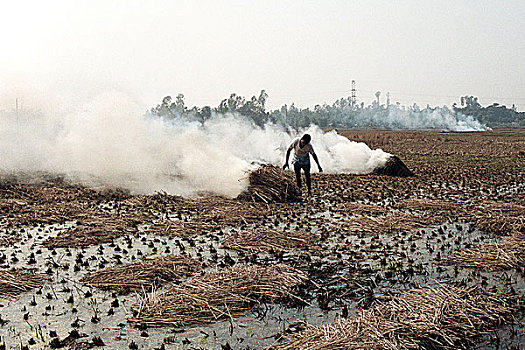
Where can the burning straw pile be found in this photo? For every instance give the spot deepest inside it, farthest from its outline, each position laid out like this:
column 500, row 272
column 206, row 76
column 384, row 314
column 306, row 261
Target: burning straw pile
column 143, row 274
column 267, row 240
column 269, row 184
column 441, row 318
column 388, row 223
column 14, row 282
column 217, row 296
column 394, row 167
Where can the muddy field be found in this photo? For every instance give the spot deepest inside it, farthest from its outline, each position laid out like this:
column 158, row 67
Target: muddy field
column 433, row 261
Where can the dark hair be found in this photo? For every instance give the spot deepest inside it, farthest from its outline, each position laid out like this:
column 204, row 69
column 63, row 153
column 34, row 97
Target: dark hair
column 306, row 138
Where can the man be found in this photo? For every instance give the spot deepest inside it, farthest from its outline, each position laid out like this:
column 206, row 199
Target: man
column 301, row 160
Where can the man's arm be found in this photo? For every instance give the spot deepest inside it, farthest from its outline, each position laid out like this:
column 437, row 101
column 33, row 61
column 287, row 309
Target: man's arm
column 314, row 156
column 287, row 157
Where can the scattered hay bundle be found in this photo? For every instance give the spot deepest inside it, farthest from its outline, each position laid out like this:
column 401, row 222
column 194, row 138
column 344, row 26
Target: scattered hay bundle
column 393, row 167
column 97, row 229
column 355, row 208
column 180, row 228
column 440, row 318
column 269, row 184
column 266, row 240
column 8, row 238
column 499, row 218
column 143, row 274
column 427, row 204
column 389, row 223
column 14, row 282
column 19, row 214
column 217, row 296
column 492, row 256
column 226, row 211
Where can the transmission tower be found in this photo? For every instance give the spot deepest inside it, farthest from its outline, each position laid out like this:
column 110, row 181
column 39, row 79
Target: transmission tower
column 353, row 99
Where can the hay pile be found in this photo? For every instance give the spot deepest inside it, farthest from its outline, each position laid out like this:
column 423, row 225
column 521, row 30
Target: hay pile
column 143, row 274
column 392, row 222
column 355, row 208
column 179, row 228
column 224, row 211
column 441, row 318
column 267, row 240
column 393, row 167
column 499, row 218
column 96, row 228
column 9, row 237
column 509, row 254
column 426, row 204
column 13, row 282
column 269, row 184
column 217, row 296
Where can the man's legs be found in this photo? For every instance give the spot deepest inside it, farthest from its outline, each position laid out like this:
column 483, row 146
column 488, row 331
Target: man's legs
column 297, row 169
column 308, row 180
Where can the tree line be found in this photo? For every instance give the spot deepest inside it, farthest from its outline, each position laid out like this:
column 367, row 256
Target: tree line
column 343, row 113
column 494, row 115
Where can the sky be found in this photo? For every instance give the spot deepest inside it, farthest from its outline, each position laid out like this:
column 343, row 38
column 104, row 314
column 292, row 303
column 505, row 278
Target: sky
column 301, row 52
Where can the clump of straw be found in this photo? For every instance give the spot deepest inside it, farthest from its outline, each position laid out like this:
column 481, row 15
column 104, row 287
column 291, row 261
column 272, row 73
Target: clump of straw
column 508, row 254
column 218, row 295
column 266, row 240
column 14, row 282
column 143, row 274
column 440, row 318
column 269, row 184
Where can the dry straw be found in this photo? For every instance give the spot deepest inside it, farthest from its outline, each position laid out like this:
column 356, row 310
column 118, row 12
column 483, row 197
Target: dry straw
column 269, row 184
column 499, row 218
column 95, row 229
column 392, row 222
column 15, row 282
column 443, row 318
column 218, row 295
column 508, row 254
column 266, row 240
column 143, row 274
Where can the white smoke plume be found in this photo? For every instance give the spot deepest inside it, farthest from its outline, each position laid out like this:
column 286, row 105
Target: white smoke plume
column 414, row 118
column 109, row 141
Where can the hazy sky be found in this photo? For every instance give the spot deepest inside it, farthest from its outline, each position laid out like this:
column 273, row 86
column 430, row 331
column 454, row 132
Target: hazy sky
column 305, row 52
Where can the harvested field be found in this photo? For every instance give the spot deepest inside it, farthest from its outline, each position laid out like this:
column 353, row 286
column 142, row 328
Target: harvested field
column 266, row 240
column 254, row 271
column 143, row 275
column 269, row 184
column 13, row 282
column 442, row 318
column 218, row 295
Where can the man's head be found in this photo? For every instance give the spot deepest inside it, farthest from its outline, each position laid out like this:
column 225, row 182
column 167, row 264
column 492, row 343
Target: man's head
column 305, row 139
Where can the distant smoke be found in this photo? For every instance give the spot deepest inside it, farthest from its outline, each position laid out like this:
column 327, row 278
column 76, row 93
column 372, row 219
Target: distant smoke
column 399, row 117
column 110, row 142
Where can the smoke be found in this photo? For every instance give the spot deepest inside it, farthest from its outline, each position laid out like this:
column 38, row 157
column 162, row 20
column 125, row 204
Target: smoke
column 109, row 141
column 400, row 117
